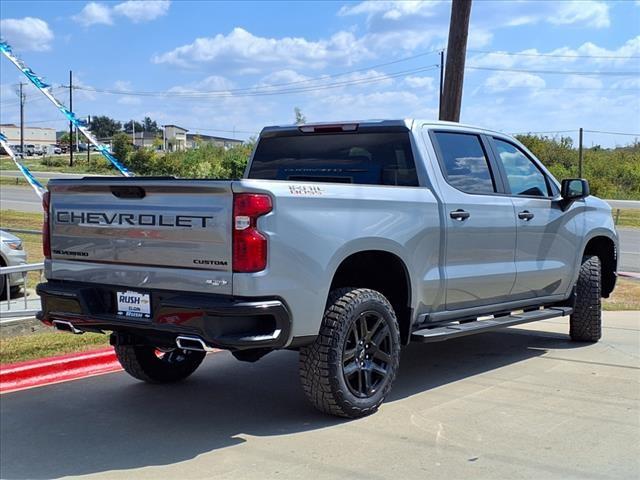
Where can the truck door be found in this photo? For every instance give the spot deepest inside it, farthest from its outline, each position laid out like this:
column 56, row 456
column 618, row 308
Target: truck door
column 480, row 226
column 547, row 235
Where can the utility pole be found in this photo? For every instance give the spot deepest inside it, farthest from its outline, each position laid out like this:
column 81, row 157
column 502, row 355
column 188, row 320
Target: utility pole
column 88, row 149
column 22, row 97
column 456, row 53
column 441, row 84
column 133, row 133
column 580, row 154
column 70, row 124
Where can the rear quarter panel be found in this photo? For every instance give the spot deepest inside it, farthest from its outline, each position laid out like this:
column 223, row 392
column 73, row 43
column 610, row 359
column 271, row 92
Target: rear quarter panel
column 313, row 227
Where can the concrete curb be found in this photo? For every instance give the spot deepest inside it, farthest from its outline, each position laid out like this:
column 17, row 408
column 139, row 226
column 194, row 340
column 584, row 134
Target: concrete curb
column 46, row 371
column 629, row 275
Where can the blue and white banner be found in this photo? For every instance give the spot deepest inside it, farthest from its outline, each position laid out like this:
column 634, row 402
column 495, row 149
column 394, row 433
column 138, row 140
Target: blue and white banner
column 77, row 122
column 37, row 186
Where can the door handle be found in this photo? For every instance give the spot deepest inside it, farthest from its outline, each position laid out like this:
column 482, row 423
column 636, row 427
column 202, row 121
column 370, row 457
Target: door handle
column 459, row 215
column 525, row 215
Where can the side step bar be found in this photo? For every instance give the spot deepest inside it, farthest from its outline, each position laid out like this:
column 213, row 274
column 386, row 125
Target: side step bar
column 439, row 334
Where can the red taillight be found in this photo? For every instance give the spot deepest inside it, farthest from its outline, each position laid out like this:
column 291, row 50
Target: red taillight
column 249, row 245
column 46, row 233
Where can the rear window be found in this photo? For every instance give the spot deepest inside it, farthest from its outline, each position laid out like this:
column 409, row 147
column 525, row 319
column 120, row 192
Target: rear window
column 360, row 158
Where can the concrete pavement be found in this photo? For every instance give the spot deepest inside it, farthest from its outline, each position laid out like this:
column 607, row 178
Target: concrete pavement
column 521, row 403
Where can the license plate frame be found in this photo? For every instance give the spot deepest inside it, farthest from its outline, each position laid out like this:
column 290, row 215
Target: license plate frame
column 133, row 305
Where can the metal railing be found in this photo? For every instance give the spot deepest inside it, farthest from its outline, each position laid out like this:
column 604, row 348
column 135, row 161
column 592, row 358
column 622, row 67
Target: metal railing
column 11, row 308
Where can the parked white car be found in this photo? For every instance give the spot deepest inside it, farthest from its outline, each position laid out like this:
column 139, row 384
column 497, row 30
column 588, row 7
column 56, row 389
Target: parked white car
column 11, row 254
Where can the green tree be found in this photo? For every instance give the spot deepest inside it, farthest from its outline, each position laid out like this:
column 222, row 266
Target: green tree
column 300, row 118
column 127, row 127
column 103, row 126
column 64, row 139
column 121, row 146
column 150, row 125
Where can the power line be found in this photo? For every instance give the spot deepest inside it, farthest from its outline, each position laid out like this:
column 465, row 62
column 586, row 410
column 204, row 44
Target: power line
column 196, row 129
column 614, row 133
column 249, row 89
column 534, row 87
column 554, row 55
column 263, row 91
column 576, row 131
column 549, row 131
column 553, row 72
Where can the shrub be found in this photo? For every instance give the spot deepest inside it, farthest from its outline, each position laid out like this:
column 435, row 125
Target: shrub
column 53, row 162
column 121, row 146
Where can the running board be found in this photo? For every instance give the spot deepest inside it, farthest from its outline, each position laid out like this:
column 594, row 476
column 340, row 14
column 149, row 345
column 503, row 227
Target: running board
column 439, row 334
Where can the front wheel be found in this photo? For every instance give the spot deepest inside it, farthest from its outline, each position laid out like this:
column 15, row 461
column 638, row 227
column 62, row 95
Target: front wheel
column 154, row 365
column 585, row 323
column 350, row 367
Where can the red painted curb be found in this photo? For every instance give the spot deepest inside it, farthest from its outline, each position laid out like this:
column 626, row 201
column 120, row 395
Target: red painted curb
column 36, row 373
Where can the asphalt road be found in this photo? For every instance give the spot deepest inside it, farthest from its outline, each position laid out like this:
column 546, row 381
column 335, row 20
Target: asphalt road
column 521, row 403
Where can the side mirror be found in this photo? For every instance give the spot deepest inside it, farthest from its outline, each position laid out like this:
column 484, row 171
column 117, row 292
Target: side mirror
column 574, row 189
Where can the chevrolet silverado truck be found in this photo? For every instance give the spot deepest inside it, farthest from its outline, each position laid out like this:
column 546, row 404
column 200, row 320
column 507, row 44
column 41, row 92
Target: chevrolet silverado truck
column 342, row 241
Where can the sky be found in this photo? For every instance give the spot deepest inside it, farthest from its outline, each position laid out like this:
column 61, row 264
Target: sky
column 230, row 68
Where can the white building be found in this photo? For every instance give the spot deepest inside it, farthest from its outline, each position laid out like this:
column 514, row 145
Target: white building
column 32, row 135
column 175, row 138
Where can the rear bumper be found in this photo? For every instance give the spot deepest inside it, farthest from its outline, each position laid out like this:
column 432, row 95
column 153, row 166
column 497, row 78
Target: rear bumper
column 232, row 323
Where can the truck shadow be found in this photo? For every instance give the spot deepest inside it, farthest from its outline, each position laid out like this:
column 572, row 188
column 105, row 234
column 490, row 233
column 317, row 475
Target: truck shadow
column 111, row 422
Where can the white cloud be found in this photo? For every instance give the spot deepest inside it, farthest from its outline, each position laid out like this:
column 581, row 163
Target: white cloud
column 505, row 80
column 137, row 11
column 391, row 10
column 142, row 10
column 579, row 81
column 94, row 14
column 587, row 56
column 242, row 48
column 592, row 14
column 212, row 83
column 420, row 82
column 27, row 33
column 479, row 38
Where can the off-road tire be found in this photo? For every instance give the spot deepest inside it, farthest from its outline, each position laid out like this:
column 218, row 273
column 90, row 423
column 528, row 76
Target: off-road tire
column 585, row 323
column 321, row 363
column 142, row 362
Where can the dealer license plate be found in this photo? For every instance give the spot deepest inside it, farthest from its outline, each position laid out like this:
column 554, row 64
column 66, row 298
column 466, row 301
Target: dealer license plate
column 134, row 304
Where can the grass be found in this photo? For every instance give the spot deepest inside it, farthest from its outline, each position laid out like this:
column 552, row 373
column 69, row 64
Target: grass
column 60, row 163
column 626, row 296
column 627, row 217
column 46, row 344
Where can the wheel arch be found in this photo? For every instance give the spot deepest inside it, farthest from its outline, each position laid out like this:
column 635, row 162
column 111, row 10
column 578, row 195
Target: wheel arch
column 383, row 271
column 605, row 248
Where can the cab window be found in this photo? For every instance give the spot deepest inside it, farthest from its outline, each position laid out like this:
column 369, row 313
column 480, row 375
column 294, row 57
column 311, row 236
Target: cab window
column 523, row 176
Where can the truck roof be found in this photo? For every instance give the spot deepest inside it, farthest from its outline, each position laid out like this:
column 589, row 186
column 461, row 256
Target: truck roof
column 371, row 123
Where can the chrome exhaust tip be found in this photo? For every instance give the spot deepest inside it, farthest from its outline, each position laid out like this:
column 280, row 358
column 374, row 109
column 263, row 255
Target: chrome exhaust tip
column 66, row 327
column 185, row 342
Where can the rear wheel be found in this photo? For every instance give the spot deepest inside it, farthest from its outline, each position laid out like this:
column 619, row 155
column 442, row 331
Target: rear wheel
column 585, row 324
column 154, row 365
column 351, row 366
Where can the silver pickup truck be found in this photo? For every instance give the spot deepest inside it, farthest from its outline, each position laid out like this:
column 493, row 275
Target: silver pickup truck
column 344, row 241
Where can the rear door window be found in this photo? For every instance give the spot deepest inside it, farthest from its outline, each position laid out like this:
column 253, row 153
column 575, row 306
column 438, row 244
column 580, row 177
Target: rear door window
column 464, row 162
column 361, row 158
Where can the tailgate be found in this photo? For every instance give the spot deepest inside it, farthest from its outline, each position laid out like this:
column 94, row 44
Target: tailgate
column 158, row 223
